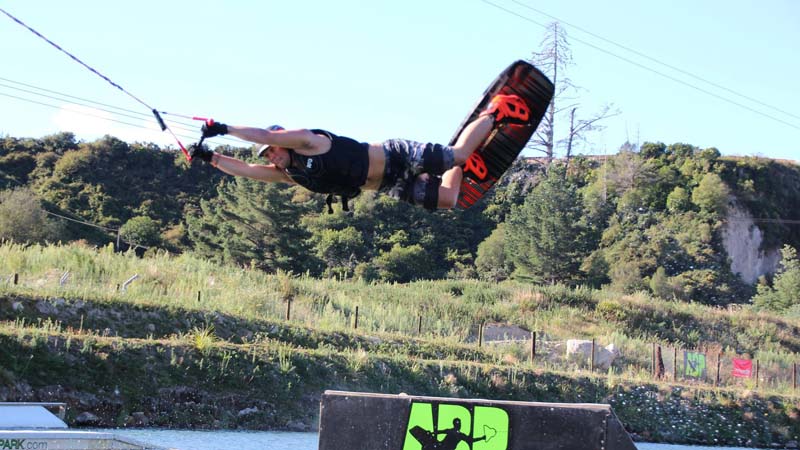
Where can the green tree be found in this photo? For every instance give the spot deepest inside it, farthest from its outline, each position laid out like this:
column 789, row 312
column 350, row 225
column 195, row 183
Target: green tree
column 15, row 168
column 678, row 200
column 711, row 195
column 449, row 238
column 22, row 218
column 253, row 224
column 491, row 261
column 665, row 287
column 340, row 250
column 141, row 231
column 547, row 238
column 403, row 264
column 785, row 290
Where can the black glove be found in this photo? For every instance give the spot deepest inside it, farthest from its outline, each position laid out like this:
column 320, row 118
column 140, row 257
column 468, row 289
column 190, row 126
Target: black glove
column 200, row 152
column 211, row 129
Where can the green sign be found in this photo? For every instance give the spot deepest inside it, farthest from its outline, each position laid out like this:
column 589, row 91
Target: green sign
column 12, row 444
column 694, row 365
column 442, row 426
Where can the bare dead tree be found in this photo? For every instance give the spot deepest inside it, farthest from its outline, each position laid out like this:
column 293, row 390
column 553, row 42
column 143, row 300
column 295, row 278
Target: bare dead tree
column 580, row 128
column 553, row 60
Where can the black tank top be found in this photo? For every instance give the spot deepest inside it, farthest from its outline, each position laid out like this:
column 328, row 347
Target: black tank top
column 342, row 170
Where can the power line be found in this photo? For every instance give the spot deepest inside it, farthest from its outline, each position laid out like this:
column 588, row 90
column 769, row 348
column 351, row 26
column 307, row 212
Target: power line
column 188, row 127
column 644, row 55
column 155, row 112
column 85, row 113
column 71, row 96
column 74, row 58
column 138, row 114
column 78, row 112
column 764, row 220
column 649, row 69
column 82, row 221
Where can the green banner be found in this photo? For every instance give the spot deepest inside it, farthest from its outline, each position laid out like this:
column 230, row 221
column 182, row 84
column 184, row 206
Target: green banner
column 694, row 365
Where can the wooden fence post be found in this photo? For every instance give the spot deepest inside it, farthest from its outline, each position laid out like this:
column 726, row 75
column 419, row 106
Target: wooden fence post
column 533, row 346
column 591, row 364
column 198, row 296
column 16, row 279
column 794, row 376
column 719, row 359
column 653, row 360
column 419, row 326
column 480, row 335
column 288, row 309
column 355, row 325
column 674, row 363
column 757, row 373
column 659, row 363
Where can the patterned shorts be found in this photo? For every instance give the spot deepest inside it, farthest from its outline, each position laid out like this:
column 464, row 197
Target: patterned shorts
column 411, row 166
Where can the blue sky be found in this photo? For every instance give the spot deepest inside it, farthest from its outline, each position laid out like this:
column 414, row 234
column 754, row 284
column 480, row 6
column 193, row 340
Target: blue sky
column 375, row 70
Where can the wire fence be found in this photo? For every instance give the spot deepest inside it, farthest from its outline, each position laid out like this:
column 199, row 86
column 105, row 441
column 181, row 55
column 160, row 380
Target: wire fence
column 707, row 365
column 702, row 366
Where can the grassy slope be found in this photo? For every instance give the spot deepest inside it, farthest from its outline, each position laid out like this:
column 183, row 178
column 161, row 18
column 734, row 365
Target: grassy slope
column 232, row 360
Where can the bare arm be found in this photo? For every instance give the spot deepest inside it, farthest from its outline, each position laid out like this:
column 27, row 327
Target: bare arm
column 302, row 141
column 261, row 172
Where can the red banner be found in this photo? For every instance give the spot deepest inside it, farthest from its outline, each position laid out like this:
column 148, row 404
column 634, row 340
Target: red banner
column 742, row 368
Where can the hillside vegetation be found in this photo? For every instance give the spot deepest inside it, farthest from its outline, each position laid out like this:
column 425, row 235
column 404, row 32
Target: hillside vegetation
column 646, row 220
column 159, row 354
column 177, row 296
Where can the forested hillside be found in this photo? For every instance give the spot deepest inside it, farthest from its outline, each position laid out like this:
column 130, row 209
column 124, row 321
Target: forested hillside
column 650, row 219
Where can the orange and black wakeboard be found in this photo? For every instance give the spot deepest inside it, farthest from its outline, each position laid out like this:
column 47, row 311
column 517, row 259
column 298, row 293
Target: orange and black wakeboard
column 489, row 162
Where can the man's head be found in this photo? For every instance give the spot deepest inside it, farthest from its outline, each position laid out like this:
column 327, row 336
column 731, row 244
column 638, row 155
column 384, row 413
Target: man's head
column 276, row 155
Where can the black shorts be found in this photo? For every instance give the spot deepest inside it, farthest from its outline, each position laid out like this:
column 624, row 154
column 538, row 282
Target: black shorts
column 411, row 167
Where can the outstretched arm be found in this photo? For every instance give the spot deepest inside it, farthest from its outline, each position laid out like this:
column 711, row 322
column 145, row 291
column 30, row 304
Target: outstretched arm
column 232, row 166
column 302, row 141
column 261, row 172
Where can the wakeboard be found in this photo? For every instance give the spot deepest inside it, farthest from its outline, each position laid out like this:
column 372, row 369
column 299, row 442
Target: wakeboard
column 490, row 161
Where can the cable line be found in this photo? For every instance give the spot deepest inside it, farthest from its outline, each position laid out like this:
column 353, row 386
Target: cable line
column 161, row 122
column 74, row 58
column 85, row 113
column 70, row 96
column 189, row 127
column 80, row 112
column 644, row 55
column 649, row 69
column 82, row 221
column 138, row 115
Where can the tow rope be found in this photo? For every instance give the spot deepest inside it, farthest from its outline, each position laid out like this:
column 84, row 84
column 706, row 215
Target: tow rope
column 155, row 112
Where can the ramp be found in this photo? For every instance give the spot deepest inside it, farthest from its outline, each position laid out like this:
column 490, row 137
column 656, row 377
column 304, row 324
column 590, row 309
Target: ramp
column 363, row 421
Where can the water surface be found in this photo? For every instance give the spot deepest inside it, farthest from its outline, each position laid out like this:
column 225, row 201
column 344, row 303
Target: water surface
column 277, row 440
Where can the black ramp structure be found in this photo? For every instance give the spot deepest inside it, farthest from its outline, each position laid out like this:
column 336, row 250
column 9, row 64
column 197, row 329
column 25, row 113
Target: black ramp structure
column 364, row 421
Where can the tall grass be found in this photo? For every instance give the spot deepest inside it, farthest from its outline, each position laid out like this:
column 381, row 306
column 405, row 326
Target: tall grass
column 449, row 310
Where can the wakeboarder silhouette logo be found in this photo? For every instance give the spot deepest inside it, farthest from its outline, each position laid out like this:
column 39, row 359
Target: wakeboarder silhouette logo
column 442, row 426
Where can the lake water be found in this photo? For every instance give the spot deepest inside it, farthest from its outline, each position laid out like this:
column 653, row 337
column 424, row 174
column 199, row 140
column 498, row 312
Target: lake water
column 274, row 440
